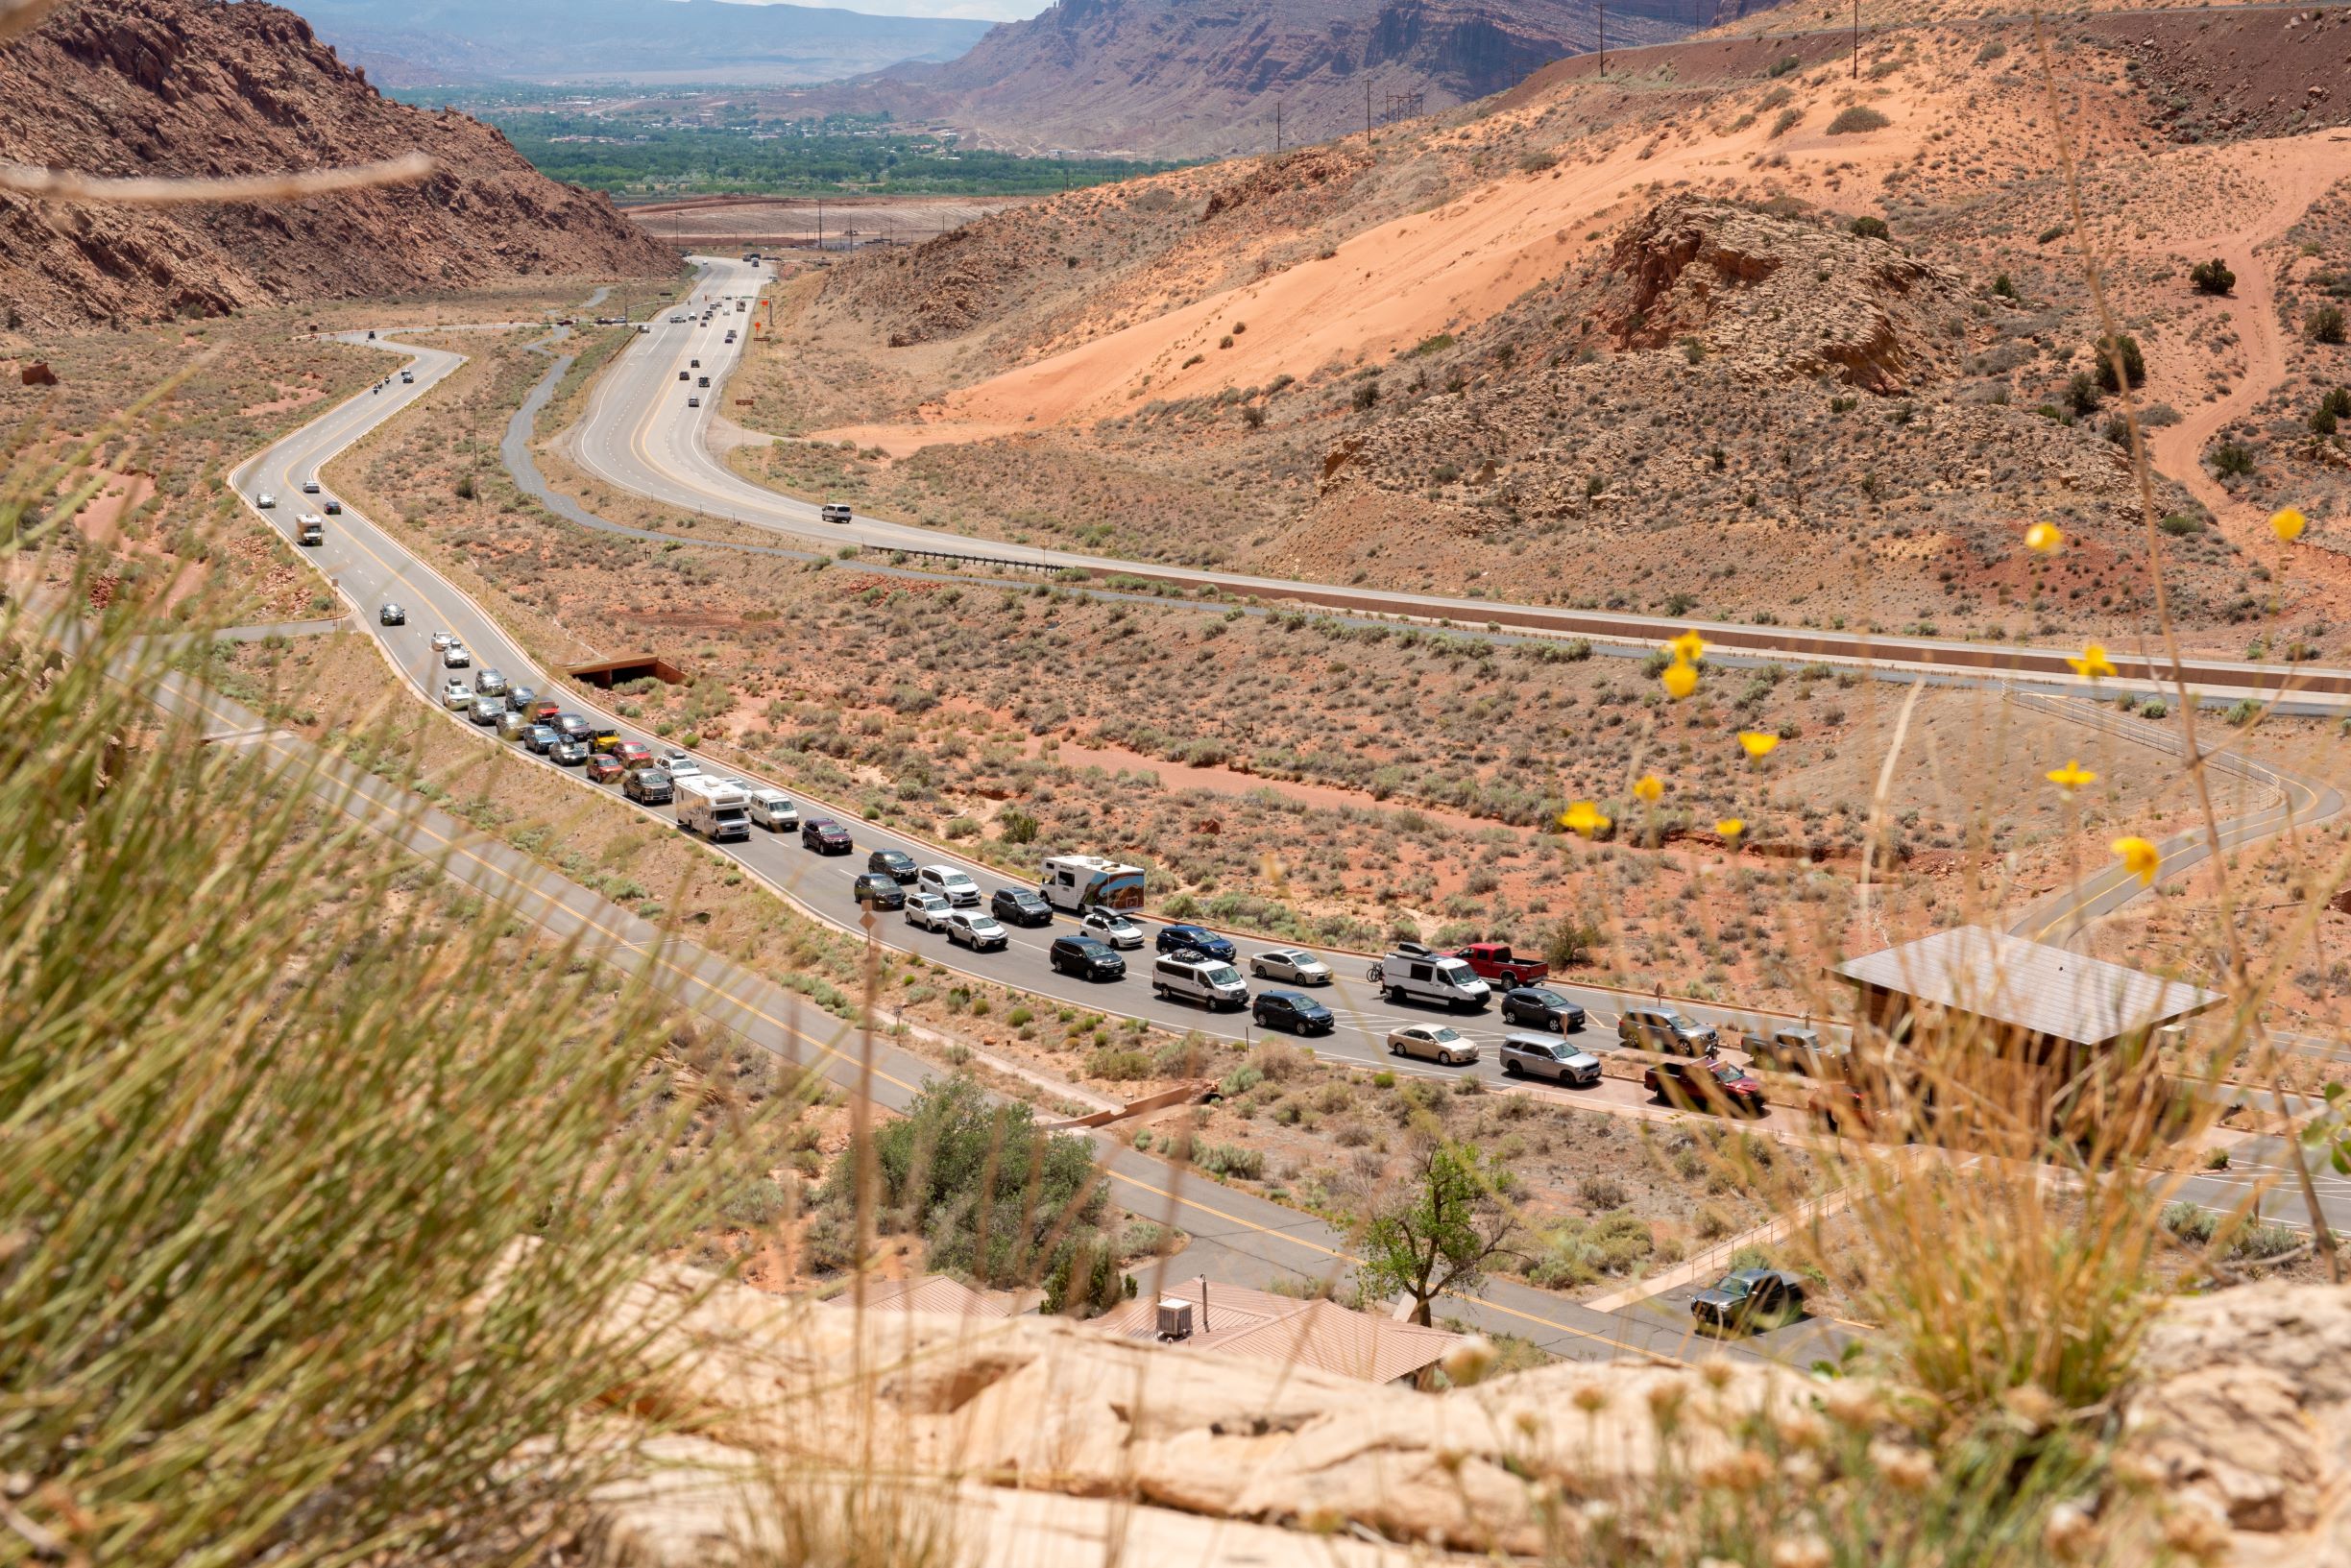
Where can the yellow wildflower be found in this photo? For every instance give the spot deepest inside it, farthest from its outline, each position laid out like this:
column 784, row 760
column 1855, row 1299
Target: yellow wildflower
column 2093, row 664
column 2071, row 777
column 1680, row 679
column 1730, row 828
column 1649, row 787
column 2287, row 524
column 1585, row 818
column 1758, row 742
column 2043, row 537
column 1688, row 649
column 2140, row 858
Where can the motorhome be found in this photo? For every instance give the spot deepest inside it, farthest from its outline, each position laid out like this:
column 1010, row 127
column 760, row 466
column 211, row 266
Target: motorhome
column 718, row 809
column 1082, row 881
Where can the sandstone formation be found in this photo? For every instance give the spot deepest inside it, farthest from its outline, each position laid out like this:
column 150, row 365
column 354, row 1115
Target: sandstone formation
column 119, row 88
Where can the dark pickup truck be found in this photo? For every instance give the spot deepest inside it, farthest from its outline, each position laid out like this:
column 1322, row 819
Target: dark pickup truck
column 1495, row 961
column 1748, row 1301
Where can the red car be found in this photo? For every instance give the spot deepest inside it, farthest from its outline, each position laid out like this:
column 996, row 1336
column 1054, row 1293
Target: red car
column 632, row 753
column 1705, row 1083
column 1507, row 969
column 603, row 767
column 543, row 710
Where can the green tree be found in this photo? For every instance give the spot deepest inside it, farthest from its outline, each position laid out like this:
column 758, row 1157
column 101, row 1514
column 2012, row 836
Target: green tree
column 2212, row 276
column 1439, row 1229
column 1570, row 943
column 2134, row 364
column 993, row 1195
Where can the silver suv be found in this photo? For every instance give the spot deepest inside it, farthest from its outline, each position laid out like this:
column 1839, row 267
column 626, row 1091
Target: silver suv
column 1653, row 1026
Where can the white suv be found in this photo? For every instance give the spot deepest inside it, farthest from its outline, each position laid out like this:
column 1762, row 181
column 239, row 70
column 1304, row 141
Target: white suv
column 954, row 885
column 928, row 910
column 1111, row 926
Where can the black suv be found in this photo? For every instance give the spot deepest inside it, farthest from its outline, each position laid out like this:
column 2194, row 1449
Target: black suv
column 1544, row 1008
column 646, row 785
column 879, row 890
column 895, row 864
column 1018, row 906
column 1086, row 958
column 1291, row 1011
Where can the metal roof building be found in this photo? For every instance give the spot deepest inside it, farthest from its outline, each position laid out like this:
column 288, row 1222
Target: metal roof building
column 1231, row 1321
column 2048, row 1001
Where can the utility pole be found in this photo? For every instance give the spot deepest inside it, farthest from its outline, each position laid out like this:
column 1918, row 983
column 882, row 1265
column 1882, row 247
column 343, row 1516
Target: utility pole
column 1367, row 109
column 1604, row 36
column 820, row 226
column 1857, row 41
column 1277, row 142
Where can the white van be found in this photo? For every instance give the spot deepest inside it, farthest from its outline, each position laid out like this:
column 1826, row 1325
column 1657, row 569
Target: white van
column 715, row 809
column 1212, row 982
column 774, row 811
column 835, row 512
column 1414, row 973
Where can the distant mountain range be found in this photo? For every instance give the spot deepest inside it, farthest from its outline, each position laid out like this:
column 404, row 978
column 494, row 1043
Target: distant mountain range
column 1201, row 77
column 431, row 43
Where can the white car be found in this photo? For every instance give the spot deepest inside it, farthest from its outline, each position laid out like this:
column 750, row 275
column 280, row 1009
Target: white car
column 928, row 910
column 441, row 640
column 976, row 931
column 456, row 695
column 455, row 657
column 310, row 487
column 1291, row 964
column 957, row 888
column 678, row 765
column 1434, row 1042
column 265, row 500
column 1108, row 925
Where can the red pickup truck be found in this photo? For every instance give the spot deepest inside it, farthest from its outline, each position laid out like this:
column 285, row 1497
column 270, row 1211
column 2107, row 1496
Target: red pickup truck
column 1495, row 961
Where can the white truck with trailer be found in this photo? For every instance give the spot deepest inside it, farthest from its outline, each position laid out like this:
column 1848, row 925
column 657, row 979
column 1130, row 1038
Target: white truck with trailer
column 717, row 809
column 1077, row 882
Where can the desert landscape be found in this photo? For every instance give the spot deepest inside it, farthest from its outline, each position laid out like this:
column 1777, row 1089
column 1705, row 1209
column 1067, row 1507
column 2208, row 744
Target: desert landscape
column 1600, row 821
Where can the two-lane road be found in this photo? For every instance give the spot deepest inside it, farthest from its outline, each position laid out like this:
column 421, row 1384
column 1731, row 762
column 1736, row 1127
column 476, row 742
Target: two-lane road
column 1236, row 1236
column 640, row 434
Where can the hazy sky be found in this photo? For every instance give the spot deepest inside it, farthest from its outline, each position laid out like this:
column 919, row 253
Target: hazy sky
column 987, row 11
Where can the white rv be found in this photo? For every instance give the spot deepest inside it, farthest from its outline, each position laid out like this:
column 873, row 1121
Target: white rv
column 1082, row 881
column 718, row 809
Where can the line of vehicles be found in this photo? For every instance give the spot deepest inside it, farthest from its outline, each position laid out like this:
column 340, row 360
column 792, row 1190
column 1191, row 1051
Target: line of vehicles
column 1190, row 963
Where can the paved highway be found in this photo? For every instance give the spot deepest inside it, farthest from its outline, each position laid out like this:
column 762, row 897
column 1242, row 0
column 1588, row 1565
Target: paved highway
column 369, row 567
column 1236, row 1238
column 1240, row 1237
column 640, row 434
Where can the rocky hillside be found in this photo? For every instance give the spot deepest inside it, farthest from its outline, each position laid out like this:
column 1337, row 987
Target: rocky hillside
column 1201, row 77
column 180, row 88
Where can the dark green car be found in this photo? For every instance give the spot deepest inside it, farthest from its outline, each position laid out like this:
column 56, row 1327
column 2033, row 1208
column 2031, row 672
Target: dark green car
column 1749, row 1301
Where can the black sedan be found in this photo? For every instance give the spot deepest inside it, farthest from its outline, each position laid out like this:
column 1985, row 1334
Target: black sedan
column 1019, row 906
column 896, row 864
column 1292, row 1011
column 1542, row 1007
column 825, row 836
column 392, row 614
column 878, row 890
column 1086, row 958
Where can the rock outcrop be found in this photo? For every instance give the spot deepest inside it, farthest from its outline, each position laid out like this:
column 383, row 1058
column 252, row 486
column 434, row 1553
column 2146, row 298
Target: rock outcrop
column 175, row 87
column 2244, row 1406
column 1781, row 298
column 1045, row 1440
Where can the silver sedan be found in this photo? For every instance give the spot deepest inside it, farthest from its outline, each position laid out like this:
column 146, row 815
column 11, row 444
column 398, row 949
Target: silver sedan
column 1433, row 1042
column 1293, row 964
